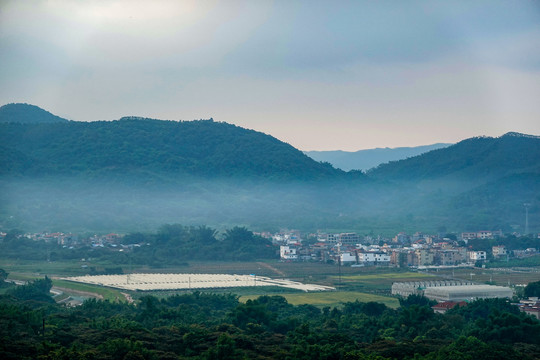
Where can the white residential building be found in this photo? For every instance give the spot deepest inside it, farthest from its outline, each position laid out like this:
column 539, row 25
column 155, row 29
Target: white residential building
column 499, row 251
column 288, row 252
column 484, row 235
column 476, row 255
column 343, row 238
column 348, row 257
column 373, row 257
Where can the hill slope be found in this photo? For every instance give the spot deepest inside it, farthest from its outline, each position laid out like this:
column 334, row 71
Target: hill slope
column 27, row 114
column 370, row 158
column 147, row 147
column 481, row 158
column 478, row 183
column 137, row 174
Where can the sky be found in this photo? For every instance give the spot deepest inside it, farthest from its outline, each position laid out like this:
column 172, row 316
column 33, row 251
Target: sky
column 319, row 75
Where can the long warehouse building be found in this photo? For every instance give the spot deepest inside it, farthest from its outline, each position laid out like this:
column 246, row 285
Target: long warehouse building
column 467, row 292
column 450, row 290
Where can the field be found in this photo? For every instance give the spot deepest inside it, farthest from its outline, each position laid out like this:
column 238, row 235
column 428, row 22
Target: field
column 364, row 284
column 25, row 269
column 378, row 282
column 495, row 276
column 207, row 282
column 84, row 289
column 332, row 299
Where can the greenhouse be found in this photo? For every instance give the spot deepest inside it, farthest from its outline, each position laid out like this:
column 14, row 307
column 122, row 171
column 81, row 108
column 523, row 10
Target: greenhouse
column 467, row 292
column 148, row 282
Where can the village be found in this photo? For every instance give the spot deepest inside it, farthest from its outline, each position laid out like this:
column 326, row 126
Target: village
column 419, row 250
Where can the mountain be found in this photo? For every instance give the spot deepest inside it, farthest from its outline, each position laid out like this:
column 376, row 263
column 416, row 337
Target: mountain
column 27, row 114
column 135, row 174
column 138, row 173
column 478, row 159
column 370, row 158
column 478, row 183
column 149, row 147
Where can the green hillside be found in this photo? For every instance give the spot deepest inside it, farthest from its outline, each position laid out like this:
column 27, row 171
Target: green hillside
column 137, row 174
column 476, row 158
column 146, row 147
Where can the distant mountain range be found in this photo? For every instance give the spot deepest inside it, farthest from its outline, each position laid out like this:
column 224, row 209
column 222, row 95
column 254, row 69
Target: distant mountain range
column 370, row 158
column 137, row 173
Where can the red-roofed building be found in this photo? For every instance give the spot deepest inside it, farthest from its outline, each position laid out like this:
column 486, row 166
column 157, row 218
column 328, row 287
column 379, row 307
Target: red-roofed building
column 531, row 307
column 443, row 307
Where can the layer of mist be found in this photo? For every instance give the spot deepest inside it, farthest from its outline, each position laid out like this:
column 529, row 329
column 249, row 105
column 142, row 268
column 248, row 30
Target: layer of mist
column 72, row 204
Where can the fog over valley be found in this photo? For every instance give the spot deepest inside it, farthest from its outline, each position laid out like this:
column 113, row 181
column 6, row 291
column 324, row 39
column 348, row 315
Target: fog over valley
column 137, row 174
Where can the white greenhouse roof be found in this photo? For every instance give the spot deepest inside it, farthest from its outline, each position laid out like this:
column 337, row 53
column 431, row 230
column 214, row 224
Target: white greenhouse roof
column 467, row 292
column 146, row 282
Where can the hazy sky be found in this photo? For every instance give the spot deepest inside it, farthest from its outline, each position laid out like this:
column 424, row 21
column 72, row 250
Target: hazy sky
column 320, row 75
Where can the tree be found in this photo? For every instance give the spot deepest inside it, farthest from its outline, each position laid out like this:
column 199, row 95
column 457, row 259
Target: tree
column 225, row 349
column 415, row 299
column 37, row 290
column 3, row 275
column 532, row 289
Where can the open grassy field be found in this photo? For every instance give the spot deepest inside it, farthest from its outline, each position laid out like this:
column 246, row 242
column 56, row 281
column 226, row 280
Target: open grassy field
column 78, row 288
column 30, row 270
column 364, row 284
column 372, row 280
column 332, row 298
column 496, row 276
column 377, row 281
column 26, row 270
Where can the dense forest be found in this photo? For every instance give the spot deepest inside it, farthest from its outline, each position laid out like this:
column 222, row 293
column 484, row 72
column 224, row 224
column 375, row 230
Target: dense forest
column 217, row 326
column 479, row 159
column 147, row 148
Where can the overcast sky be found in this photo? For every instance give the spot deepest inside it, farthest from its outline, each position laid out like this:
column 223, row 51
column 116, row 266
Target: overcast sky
column 320, row 75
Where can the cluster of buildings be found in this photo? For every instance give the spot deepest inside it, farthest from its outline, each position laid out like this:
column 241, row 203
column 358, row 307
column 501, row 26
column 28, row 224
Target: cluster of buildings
column 73, row 240
column 403, row 250
column 55, row 238
column 418, row 250
column 530, row 306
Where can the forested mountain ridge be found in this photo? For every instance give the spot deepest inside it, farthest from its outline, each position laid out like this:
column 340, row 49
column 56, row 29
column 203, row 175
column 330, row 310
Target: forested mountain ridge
column 485, row 158
column 140, row 146
column 27, row 114
column 137, row 173
column 480, row 182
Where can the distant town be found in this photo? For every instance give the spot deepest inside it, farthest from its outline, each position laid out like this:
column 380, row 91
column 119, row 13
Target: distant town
column 419, row 250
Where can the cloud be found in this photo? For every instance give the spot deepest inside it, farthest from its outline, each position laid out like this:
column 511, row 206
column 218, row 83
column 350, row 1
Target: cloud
column 315, row 73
